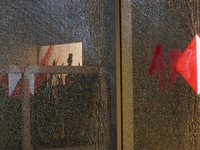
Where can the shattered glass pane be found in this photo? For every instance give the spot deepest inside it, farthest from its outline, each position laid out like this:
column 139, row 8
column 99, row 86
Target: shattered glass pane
column 69, row 114
column 72, row 105
column 166, row 108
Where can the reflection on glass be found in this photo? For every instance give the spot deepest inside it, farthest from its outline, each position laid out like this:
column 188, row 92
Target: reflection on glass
column 166, row 109
column 10, row 111
column 64, row 115
column 62, row 54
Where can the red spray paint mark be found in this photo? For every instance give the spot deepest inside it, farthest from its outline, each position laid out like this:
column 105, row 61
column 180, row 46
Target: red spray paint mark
column 39, row 78
column 174, row 57
column 157, row 63
column 43, row 62
column 56, row 62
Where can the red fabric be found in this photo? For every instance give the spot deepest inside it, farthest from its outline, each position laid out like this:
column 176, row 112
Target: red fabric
column 39, row 79
column 17, row 92
column 4, row 82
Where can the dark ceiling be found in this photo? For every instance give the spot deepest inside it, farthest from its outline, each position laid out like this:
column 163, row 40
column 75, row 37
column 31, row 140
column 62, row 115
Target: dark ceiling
column 35, row 23
column 41, row 22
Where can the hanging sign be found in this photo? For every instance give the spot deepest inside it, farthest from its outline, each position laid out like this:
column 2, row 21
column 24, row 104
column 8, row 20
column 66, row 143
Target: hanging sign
column 189, row 64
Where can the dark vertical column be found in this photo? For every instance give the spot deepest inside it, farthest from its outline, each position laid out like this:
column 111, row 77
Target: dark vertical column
column 26, row 111
column 118, row 74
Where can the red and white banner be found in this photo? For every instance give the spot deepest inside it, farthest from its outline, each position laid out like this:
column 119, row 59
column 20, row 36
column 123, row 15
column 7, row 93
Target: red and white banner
column 49, row 55
column 12, row 82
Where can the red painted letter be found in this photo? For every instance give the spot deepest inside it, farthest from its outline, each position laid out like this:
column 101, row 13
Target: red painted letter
column 174, row 57
column 160, row 66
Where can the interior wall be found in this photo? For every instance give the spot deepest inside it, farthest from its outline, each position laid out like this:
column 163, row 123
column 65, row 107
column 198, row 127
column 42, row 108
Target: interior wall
column 19, row 55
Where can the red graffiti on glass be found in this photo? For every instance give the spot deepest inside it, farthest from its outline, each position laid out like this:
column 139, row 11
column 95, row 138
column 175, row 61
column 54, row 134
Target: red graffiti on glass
column 158, row 64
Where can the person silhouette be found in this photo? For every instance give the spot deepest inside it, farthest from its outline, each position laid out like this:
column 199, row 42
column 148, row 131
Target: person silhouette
column 69, row 60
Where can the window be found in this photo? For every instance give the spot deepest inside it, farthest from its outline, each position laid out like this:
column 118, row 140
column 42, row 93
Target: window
column 58, row 57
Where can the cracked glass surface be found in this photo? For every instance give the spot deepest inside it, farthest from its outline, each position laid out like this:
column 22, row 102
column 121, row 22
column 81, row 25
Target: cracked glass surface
column 166, row 109
column 80, row 116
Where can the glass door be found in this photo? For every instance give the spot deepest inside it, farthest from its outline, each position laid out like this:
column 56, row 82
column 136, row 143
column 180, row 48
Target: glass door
column 160, row 109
